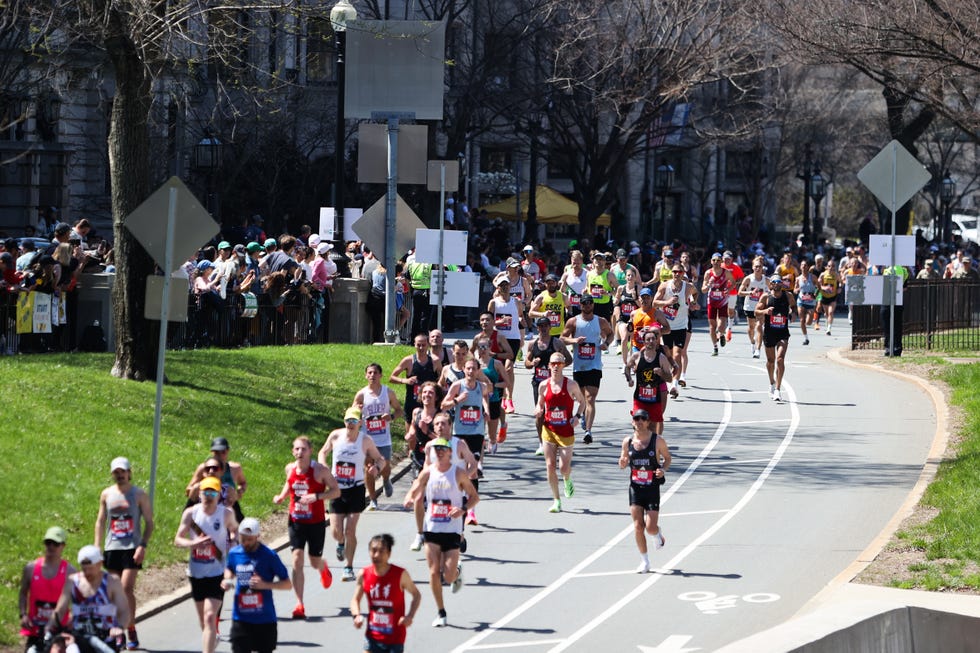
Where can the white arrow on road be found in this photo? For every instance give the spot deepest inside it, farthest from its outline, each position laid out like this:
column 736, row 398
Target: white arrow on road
column 673, row 644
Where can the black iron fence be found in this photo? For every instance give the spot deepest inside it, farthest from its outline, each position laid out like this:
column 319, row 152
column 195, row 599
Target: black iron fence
column 941, row 315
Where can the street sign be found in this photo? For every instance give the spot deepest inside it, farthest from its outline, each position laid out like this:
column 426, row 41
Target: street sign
column 371, row 228
column 193, row 226
column 894, row 174
column 880, row 250
column 176, row 298
column 454, row 247
column 433, row 176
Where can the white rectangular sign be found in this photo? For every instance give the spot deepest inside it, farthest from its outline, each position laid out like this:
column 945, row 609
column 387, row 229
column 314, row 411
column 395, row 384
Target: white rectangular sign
column 328, row 222
column 350, row 217
column 880, row 250
column 869, row 290
column 453, row 247
column 462, row 288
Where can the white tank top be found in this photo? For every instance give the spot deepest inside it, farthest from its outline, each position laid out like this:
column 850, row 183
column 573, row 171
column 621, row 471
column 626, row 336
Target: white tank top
column 677, row 313
column 348, row 461
column 757, row 288
column 506, row 318
column 442, row 492
column 208, row 560
column 376, row 416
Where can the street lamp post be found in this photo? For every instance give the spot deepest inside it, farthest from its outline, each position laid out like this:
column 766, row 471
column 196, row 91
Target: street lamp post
column 208, row 156
column 531, row 225
column 947, row 191
column 341, row 14
column 663, row 181
column 818, row 189
column 805, row 176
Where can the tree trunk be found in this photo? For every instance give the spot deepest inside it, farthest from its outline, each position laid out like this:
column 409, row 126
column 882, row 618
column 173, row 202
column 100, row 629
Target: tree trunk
column 129, row 147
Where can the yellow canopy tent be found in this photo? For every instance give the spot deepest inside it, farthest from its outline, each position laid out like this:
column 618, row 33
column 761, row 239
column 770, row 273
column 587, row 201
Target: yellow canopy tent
column 552, row 206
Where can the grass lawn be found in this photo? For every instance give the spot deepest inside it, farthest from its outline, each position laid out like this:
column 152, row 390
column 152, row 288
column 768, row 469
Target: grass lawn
column 951, row 540
column 66, row 418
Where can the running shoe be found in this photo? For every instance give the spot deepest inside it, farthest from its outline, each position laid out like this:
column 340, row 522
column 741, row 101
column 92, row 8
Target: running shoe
column 502, row 434
column 728, row 335
column 326, row 578
column 587, row 438
column 340, row 552
column 816, row 325
column 132, row 640
column 389, row 488
column 299, row 612
column 417, row 542
column 673, row 392
column 556, row 506
column 458, row 583
column 776, row 396
column 493, row 448
column 659, row 540
column 539, row 451
column 722, row 341
column 372, row 505
column 644, row 567
column 471, row 518
column 569, row 487
column 806, row 341
column 348, row 574
column 755, row 353
column 828, row 332
column 715, row 352
column 440, row 620
column 682, row 382
column 508, row 405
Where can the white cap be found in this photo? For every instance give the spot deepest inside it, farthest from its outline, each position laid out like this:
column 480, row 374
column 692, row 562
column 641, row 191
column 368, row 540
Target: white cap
column 323, row 248
column 120, row 462
column 89, row 553
column 314, row 240
column 250, row 526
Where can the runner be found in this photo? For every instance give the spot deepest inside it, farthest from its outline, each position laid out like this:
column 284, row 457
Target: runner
column 601, row 284
column 520, row 290
column 573, row 282
column 676, row 297
column 537, row 358
column 499, row 349
column 207, row 529
column 437, row 349
column 806, row 297
column 829, row 287
column 378, row 405
column 717, row 283
column 551, row 304
column 554, row 410
column 492, row 371
column 254, row 570
column 508, row 315
column 728, row 262
column 469, row 398
column 752, row 288
column 233, row 482
column 627, row 300
column 98, row 604
column 125, row 520
column 652, row 369
column 418, row 437
column 307, row 484
column 662, row 269
column 418, row 368
column 775, row 309
column 589, row 335
column 384, row 585
column 41, row 584
column 352, row 449
column 443, row 485
column 648, row 458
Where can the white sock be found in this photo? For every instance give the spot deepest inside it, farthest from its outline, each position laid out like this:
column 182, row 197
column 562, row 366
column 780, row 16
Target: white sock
column 645, row 558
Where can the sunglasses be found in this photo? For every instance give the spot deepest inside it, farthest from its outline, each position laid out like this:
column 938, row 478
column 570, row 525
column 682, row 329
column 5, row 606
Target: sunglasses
column 351, row 421
column 53, row 543
column 640, row 418
column 211, row 493
column 556, row 363
column 211, row 468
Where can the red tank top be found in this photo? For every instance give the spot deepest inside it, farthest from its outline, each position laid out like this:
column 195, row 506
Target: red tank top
column 558, row 409
column 386, row 605
column 299, row 485
column 717, row 287
column 43, row 596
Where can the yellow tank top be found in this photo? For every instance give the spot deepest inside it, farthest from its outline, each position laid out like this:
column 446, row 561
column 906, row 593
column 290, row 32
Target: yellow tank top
column 555, row 308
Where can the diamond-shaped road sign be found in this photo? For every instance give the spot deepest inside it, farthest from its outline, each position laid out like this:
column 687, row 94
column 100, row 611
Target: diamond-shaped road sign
column 193, row 225
column 894, row 167
column 371, row 227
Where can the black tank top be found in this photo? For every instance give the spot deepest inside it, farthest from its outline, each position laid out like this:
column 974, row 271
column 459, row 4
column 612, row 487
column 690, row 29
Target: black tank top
column 421, row 372
column 779, row 318
column 541, row 371
column 647, row 381
column 643, row 464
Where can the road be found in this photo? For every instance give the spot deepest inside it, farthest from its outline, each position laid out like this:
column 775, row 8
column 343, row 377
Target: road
column 765, row 504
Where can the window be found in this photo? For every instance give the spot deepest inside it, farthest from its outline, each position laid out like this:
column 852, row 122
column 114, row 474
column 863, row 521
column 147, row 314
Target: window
column 228, row 43
column 320, row 49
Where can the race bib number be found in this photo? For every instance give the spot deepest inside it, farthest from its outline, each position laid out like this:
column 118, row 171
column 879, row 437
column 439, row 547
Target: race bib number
column 344, row 472
column 250, row 602
column 43, row 611
column 439, row 511
column 375, row 425
column 671, row 311
column 416, row 389
column 808, row 298
column 777, row 320
column 756, row 294
column 626, row 308
column 541, row 373
column 469, row 415
column 121, row 528
column 300, row 510
column 203, row 553
column 504, row 321
column 715, row 294
column 586, row 351
column 381, row 622
column 557, row 417
column 574, row 301
column 554, row 318
column 647, row 393
column 597, row 290
column 642, row 476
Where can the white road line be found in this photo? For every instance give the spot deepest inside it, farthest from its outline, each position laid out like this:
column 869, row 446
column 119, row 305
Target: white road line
column 602, row 574
column 761, row 421
column 690, row 548
column 487, row 647
column 616, row 539
column 692, row 512
column 718, row 463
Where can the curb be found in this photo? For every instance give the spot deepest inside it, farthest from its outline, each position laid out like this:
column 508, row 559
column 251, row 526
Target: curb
column 160, row 604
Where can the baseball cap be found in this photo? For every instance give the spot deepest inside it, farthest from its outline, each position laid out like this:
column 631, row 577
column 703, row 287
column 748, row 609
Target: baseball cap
column 728, row 254
column 620, row 253
column 314, row 240
column 501, row 281
column 716, row 256
column 55, row 534
column 250, row 526
column 352, row 413
column 254, row 247
column 120, row 462
column 551, row 277
column 224, row 244
column 89, row 554
column 587, row 299
column 204, row 265
column 668, row 251
column 270, row 242
column 210, row 483
column 220, row 444
column 239, row 248
column 441, row 443
column 776, row 279
column 645, row 292
column 542, row 321
column 323, row 248
column 640, row 413
column 528, row 248
column 513, row 263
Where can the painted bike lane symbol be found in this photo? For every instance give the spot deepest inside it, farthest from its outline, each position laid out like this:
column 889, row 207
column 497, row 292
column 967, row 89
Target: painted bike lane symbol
column 711, row 603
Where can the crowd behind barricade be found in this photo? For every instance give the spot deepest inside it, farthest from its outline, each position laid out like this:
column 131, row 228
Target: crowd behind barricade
column 249, row 288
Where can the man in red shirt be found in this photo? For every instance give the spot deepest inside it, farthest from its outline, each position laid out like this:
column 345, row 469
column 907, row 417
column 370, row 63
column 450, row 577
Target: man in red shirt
column 728, row 263
column 385, row 585
column 41, row 585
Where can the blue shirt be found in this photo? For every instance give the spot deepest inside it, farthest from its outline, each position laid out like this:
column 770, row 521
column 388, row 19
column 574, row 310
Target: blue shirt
column 254, row 606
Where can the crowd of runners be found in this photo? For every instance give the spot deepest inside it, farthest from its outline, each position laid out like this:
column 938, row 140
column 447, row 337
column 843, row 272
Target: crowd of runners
column 595, row 317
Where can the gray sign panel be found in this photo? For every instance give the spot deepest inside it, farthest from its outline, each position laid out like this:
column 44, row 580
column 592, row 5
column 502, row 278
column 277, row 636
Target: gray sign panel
column 371, row 227
column 372, row 153
column 894, row 169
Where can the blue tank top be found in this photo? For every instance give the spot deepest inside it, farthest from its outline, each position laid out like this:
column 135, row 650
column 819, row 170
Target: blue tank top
column 588, row 355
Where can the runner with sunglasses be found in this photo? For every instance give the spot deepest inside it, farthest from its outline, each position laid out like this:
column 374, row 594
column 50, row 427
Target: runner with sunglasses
column 555, row 410
column 648, row 458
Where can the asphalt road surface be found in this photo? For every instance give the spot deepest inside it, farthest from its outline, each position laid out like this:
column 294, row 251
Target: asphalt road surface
column 764, row 505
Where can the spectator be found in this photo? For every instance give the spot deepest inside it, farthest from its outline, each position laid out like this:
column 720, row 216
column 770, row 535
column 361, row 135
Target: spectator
column 966, row 270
